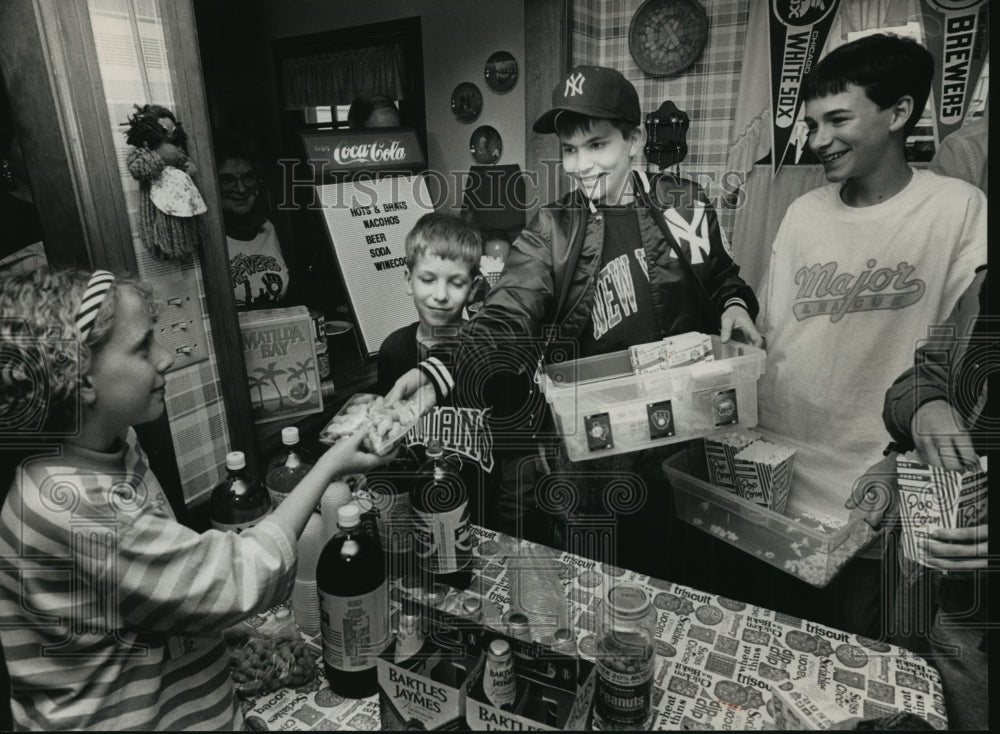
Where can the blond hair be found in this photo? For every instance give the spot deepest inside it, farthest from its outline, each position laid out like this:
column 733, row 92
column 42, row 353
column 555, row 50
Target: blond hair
column 42, row 358
column 447, row 237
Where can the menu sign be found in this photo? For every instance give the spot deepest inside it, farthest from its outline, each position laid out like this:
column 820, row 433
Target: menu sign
column 367, row 223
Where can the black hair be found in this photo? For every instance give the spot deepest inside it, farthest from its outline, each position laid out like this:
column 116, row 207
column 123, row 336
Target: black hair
column 364, row 106
column 145, row 130
column 886, row 66
column 569, row 123
column 229, row 146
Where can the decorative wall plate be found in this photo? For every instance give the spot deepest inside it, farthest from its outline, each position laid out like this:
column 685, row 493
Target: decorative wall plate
column 501, row 72
column 485, row 144
column 667, row 36
column 466, row 102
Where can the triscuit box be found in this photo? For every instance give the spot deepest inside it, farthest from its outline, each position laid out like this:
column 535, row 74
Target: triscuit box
column 800, row 705
column 282, row 374
column 554, row 692
column 932, row 498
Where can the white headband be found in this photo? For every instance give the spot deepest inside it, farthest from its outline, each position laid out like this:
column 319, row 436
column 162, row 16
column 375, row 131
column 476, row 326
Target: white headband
column 97, row 288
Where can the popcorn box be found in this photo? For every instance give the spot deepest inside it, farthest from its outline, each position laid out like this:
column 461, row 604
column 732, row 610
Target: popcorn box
column 554, row 691
column 800, row 705
column 719, row 453
column 282, row 372
column 763, row 473
column 933, row 498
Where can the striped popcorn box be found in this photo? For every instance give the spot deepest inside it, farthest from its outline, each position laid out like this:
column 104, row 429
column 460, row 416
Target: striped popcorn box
column 763, row 473
column 719, row 453
column 932, row 498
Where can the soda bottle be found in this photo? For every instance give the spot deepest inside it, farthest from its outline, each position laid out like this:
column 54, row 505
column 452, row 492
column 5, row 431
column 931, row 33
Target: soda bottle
column 389, row 488
column 240, row 500
column 626, row 637
column 354, row 606
column 443, row 538
column 499, row 681
column 287, row 466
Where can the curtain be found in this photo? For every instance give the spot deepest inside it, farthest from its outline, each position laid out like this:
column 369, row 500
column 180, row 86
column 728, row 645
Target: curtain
column 337, row 77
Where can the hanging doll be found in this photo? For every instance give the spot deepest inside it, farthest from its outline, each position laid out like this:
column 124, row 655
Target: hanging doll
column 171, row 206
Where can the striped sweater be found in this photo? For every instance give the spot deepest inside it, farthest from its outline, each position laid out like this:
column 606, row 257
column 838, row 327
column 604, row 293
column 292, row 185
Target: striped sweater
column 111, row 611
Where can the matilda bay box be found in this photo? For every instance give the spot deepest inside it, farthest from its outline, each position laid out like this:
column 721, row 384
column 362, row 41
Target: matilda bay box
column 282, row 375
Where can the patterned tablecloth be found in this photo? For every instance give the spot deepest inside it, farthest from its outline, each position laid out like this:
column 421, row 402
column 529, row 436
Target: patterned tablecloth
column 716, row 657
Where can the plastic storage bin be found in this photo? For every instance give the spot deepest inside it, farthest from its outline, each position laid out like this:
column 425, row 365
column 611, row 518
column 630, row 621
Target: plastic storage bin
column 602, row 409
column 792, row 542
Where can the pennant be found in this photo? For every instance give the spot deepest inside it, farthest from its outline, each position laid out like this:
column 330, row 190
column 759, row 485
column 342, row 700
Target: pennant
column 798, row 32
column 956, row 33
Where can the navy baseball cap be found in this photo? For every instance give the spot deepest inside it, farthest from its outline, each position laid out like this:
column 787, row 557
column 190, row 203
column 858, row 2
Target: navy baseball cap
column 596, row 91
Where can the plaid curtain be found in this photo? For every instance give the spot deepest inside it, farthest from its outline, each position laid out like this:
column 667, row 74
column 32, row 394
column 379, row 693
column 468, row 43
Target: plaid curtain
column 337, row 77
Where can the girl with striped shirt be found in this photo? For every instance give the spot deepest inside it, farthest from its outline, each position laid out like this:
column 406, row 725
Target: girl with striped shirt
column 111, row 611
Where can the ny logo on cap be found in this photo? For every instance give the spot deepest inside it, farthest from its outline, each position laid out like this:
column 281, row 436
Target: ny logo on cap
column 574, row 85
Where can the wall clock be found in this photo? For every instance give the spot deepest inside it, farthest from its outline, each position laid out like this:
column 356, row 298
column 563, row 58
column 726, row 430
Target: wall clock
column 667, row 36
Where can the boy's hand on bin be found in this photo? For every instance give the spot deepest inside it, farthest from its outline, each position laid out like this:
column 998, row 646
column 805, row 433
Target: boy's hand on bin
column 736, row 317
column 875, row 492
column 416, row 386
column 939, row 438
column 958, row 549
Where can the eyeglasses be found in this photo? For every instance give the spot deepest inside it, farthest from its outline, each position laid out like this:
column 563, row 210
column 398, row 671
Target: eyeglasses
column 230, row 181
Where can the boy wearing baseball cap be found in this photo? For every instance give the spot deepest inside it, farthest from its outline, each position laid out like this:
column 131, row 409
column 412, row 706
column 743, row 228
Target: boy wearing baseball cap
column 618, row 261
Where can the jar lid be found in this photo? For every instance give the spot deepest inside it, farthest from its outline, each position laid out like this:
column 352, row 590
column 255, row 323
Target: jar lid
column 517, row 619
column 627, row 600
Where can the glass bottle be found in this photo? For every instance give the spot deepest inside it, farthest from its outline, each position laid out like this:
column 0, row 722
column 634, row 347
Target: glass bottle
column 626, row 636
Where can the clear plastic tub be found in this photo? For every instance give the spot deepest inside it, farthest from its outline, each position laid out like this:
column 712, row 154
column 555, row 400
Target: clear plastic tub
column 601, row 408
column 793, row 542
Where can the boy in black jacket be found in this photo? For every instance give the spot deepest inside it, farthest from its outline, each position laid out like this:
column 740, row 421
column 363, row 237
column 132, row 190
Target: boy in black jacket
column 601, row 269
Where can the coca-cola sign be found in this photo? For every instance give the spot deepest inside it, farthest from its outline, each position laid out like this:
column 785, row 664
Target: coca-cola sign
column 366, row 149
column 382, row 151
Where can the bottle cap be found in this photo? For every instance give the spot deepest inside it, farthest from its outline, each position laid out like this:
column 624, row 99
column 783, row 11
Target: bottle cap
column 434, row 447
column 235, row 460
column 499, row 648
column 409, row 611
column 472, row 606
column 563, row 635
column 349, row 515
column 627, row 600
column 289, row 435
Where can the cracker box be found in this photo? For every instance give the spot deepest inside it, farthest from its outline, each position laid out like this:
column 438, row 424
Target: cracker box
column 282, row 374
column 763, row 473
column 800, row 705
column 933, row 498
column 555, row 692
column 719, row 453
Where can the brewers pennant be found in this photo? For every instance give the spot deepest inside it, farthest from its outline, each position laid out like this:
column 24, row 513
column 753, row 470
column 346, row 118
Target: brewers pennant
column 798, row 31
column 957, row 35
